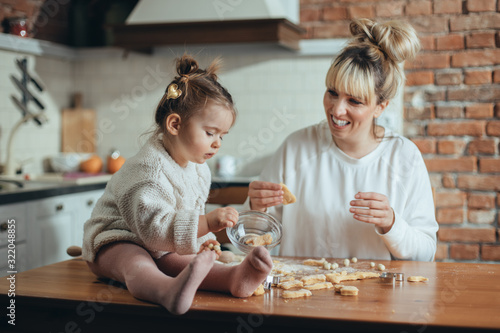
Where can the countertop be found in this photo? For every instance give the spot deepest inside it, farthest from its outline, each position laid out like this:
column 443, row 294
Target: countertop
column 459, row 297
column 40, row 189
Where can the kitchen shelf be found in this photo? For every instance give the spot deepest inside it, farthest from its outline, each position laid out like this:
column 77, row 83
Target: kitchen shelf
column 144, row 37
column 307, row 47
column 35, row 47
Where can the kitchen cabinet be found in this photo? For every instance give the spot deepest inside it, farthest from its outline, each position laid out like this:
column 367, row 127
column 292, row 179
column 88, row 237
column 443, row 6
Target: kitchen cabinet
column 58, row 224
column 85, row 203
column 13, row 218
column 45, row 228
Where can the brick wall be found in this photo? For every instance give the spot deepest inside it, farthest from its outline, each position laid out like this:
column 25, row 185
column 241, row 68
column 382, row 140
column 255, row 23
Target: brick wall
column 28, row 9
column 452, row 108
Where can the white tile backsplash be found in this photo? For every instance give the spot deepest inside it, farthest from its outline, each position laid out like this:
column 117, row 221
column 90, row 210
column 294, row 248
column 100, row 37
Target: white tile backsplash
column 125, row 92
column 32, row 143
column 275, row 93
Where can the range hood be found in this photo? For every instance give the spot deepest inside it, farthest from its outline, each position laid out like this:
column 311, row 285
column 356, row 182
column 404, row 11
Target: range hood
column 157, row 23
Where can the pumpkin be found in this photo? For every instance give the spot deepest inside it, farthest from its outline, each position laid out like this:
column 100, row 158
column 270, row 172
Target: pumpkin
column 114, row 164
column 92, row 165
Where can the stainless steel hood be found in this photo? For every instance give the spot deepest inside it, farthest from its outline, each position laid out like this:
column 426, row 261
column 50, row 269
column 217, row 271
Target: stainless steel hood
column 156, row 23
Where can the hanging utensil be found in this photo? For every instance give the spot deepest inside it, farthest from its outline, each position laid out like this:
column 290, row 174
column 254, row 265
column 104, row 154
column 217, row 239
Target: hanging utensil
column 24, row 110
column 26, row 92
column 22, row 66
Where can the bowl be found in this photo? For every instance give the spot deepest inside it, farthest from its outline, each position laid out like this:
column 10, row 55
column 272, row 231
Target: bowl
column 251, row 224
column 67, row 162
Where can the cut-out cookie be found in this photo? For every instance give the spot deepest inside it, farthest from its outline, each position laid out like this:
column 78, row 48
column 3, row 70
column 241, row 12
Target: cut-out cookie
column 288, row 197
column 417, row 279
column 296, row 293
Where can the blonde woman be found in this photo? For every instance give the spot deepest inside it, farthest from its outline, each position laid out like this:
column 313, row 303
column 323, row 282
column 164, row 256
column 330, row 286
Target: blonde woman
column 362, row 191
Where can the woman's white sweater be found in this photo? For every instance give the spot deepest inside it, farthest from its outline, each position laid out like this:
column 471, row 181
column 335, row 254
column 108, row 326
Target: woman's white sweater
column 324, row 179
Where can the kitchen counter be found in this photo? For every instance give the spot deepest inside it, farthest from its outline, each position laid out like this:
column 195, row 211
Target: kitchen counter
column 459, row 297
column 220, row 182
column 33, row 190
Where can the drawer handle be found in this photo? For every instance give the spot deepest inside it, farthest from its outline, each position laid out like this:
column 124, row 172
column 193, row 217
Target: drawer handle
column 59, row 207
column 90, row 202
column 4, row 227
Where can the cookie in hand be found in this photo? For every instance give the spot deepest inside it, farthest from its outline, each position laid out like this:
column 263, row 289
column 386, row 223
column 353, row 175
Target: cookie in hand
column 288, row 197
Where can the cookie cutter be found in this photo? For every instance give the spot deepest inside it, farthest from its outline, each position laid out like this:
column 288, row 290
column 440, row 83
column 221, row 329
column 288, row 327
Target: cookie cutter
column 270, row 281
column 388, row 277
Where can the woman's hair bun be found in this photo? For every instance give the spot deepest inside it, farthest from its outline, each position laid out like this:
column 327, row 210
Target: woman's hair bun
column 397, row 39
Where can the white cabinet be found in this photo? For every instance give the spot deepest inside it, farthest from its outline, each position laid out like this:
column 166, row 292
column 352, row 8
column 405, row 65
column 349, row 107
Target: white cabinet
column 13, row 221
column 57, row 223
column 45, row 228
column 51, row 230
column 85, row 203
column 56, row 235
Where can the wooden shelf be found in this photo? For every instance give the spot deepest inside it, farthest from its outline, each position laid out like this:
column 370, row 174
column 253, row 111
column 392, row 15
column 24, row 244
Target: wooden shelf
column 34, row 46
column 146, row 36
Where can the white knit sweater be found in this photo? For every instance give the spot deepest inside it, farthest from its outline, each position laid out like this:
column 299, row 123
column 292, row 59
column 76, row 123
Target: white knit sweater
column 324, row 179
column 153, row 202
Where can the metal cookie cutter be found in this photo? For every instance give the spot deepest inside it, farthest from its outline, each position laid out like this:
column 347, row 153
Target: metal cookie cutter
column 388, row 277
column 270, row 281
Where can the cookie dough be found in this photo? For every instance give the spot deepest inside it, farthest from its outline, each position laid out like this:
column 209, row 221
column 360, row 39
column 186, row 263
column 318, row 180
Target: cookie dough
column 296, row 293
column 288, row 197
column 291, row 284
column 259, row 291
column 417, row 278
column 312, row 279
column 320, row 285
column 349, row 291
column 265, row 239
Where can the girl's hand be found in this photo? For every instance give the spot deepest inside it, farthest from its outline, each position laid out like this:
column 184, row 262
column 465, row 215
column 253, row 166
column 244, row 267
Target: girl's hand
column 211, row 245
column 264, row 194
column 221, row 218
column 379, row 210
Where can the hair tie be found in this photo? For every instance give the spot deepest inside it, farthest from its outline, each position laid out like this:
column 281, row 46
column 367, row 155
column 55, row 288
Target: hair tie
column 173, row 92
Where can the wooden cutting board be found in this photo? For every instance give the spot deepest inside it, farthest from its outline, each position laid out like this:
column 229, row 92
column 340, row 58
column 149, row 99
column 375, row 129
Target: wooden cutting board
column 78, row 128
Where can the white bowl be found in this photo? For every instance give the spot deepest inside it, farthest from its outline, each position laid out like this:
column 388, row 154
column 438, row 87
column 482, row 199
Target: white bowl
column 252, row 223
column 67, row 162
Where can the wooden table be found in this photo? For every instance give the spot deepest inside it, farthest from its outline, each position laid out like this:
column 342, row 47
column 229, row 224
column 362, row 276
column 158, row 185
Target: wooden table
column 66, row 297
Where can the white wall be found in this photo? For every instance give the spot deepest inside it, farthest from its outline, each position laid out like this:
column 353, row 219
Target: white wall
column 33, row 143
column 276, row 92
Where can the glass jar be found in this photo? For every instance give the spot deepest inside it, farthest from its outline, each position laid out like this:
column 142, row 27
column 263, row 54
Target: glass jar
column 17, row 26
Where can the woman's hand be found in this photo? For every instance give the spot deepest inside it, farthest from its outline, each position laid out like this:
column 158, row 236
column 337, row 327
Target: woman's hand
column 220, row 218
column 378, row 210
column 264, row 194
column 211, row 245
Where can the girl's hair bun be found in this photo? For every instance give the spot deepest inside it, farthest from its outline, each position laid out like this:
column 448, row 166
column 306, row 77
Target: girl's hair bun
column 396, row 39
column 187, row 65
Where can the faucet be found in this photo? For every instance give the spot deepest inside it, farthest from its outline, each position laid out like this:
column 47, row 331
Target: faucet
column 9, row 168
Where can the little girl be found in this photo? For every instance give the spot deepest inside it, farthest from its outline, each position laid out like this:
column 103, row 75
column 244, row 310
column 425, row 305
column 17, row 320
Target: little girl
column 150, row 220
